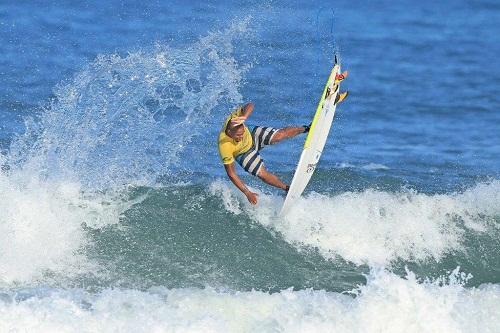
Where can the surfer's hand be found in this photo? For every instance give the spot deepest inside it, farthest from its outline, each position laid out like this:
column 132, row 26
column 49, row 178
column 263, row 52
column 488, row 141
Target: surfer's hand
column 252, row 197
column 238, row 120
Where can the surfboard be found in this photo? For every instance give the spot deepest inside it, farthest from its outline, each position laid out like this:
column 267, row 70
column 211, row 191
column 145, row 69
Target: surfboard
column 315, row 140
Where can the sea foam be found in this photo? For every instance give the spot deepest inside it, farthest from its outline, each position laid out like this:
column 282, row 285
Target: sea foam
column 42, row 226
column 375, row 227
column 387, row 303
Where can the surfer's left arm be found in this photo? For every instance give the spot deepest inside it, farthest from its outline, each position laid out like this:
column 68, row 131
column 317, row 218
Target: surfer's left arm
column 233, row 176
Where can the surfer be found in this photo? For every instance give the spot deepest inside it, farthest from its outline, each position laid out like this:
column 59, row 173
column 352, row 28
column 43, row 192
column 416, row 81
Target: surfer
column 242, row 144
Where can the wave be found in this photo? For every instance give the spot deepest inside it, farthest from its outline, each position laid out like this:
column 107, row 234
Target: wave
column 377, row 227
column 387, row 303
column 144, row 236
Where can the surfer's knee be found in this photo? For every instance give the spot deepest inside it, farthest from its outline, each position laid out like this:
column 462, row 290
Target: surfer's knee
column 262, row 172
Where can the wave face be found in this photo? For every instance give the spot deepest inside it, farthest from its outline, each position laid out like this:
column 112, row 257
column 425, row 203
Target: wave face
column 166, row 236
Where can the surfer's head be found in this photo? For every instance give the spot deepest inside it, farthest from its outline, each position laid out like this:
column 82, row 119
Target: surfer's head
column 235, row 131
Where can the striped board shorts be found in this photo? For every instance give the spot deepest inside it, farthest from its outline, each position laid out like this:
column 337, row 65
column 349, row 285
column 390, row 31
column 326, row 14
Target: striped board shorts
column 251, row 160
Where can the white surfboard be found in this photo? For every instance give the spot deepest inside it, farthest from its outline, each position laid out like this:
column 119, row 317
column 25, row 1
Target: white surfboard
column 315, row 140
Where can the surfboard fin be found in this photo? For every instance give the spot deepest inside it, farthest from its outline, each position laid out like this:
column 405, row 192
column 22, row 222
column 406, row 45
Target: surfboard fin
column 340, row 97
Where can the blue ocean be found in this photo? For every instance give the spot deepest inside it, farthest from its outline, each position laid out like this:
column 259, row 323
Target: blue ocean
column 116, row 214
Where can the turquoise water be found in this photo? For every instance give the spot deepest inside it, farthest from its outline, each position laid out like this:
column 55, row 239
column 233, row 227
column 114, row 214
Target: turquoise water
column 116, row 214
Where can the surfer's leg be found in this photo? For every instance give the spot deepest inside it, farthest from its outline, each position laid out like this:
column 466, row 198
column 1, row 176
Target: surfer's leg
column 287, row 132
column 262, row 136
column 270, row 178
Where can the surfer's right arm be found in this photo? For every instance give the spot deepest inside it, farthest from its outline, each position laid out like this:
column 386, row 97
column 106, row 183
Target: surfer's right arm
column 231, row 173
column 246, row 111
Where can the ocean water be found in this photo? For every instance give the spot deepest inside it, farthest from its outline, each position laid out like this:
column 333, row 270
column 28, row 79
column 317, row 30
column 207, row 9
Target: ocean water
column 116, row 214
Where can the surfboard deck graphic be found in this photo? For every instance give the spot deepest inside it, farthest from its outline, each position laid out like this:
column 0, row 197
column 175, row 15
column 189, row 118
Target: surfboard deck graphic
column 316, row 138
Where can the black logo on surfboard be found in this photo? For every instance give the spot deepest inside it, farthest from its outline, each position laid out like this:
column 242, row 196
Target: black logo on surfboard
column 311, row 167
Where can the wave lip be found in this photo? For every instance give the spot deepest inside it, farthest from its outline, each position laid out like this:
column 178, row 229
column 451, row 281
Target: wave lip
column 375, row 228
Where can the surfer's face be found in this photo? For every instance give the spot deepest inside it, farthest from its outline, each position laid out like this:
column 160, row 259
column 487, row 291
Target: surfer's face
column 237, row 133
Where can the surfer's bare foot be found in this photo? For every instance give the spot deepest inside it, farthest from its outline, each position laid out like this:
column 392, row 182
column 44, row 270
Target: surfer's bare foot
column 341, row 76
